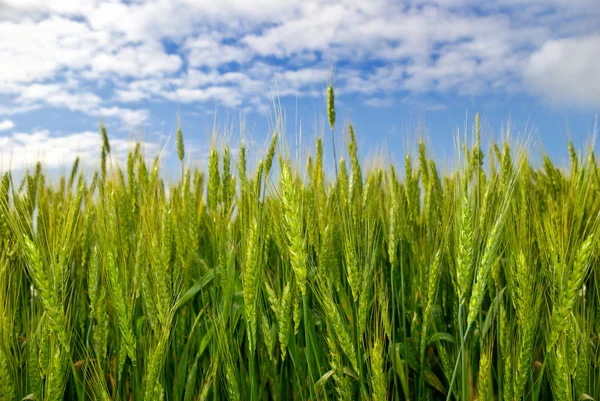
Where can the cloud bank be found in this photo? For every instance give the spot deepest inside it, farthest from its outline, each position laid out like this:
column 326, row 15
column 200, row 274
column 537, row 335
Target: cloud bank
column 110, row 58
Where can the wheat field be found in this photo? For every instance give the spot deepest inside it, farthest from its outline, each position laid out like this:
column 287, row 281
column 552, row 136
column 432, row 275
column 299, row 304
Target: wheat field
column 291, row 283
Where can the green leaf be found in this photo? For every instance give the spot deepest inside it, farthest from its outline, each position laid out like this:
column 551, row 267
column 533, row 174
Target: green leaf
column 350, row 373
column 401, row 372
column 490, row 317
column 321, row 382
column 207, row 278
column 206, row 339
column 435, row 382
column 441, row 336
column 181, row 370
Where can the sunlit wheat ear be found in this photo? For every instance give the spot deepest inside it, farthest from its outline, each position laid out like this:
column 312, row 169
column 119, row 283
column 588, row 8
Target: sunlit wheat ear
column 226, row 179
column 432, row 286
column 488, row 258
column 74, row 170
column 97, row 295
column 267, row 335
column 423, row 168
column 331, row 118
column 383, row 308
column 297, row 309
column 44, row 334
column 569, row 292
column 259, row 178
column 571, row 346
column 528, row 313
column 464, row 265
column 336, row 322
column 356, row 179
column 559, row 375
column 7, row 390
column 294, row 228
column 331, row 106
column 352, row 272
column 270, row 155
column 180, row 145
column 56, row 378
column 213, row 180
column 483, row 380
column 45, row 286
column 152, row 382
column 319, row 173
column 365, row 299
column 342, row 381
column 243, row 180
column 378, row 379
column 284, row 318
column 105, row 142
column 117, row 296
column 342, row 182
column 412, row 188
column 252, row 280
column 573, row 159
column 477, row 155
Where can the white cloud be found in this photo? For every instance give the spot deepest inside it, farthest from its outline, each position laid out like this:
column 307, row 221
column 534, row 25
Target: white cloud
column 59, row 96
column 225, row 94
column 94, row 55
column 148, row 59
column 206, row 51
column 74, row 7
column 6, row 125
column 21, row 149
column 314, row 30
column 40, row 50
column 132, row 118
column 63, row 96
column 14, row 110
column 379, row 102
column 566, row 70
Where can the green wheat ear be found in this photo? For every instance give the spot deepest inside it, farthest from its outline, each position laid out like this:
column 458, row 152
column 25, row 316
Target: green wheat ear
column 105, row 143
column 330, row 106
column 331, row 118
column 180, row 146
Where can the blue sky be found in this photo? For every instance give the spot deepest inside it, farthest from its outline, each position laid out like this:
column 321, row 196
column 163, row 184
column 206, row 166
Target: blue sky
column 399, row 68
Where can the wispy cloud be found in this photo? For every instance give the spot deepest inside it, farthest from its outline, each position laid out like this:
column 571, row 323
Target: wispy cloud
column 379, row 102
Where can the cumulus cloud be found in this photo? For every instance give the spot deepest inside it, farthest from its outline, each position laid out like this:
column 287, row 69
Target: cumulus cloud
column 59, row 96
column 6, row 125
column 94, row 56
column 132, row 118
column 210, row 52
column 566, row 70
column 138, row 61
column 23, row 149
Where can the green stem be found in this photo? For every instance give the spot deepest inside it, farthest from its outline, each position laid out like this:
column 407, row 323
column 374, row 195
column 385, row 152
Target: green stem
column 538, row 385
column 335, row 159
column 252, row 374
column 308, row 350
column 459, row 356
